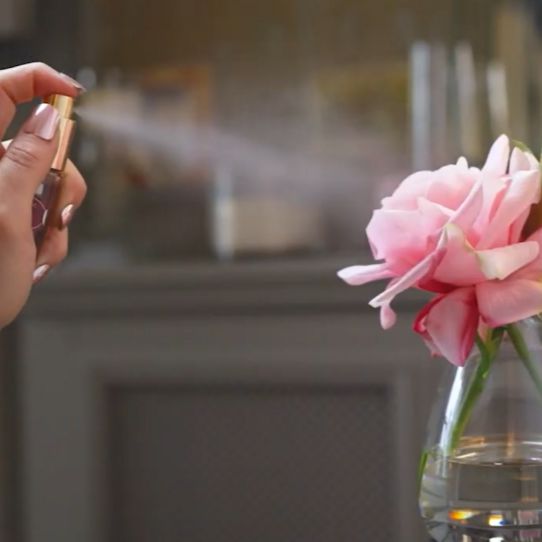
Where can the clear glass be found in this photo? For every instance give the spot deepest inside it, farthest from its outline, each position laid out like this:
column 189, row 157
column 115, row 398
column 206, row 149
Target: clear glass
column 481, row 471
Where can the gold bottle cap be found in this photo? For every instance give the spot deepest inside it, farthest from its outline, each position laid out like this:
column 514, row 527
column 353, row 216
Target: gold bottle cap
column 64, row 105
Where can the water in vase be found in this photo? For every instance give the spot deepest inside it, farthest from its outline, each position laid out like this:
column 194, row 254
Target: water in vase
column 489, row 490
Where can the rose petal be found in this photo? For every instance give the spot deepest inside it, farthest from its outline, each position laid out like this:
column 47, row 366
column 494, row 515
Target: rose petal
column 417, row 273
column 357, row 275
column 533, row 270
column 406, row 194
column 467, row 213
column 420, row 328
column 522, row 161
column 463, row 163
column 499, row 263
column 450, row 324
column 439, row 214
column 497, row 159
column 494, row 190
column 502, row 303
column 398, row 236
column 429, row 284
column 462, row 265
column 459, row 265
column 516, row 230
column 523, row 192
column 450, row 185
column 388, row 317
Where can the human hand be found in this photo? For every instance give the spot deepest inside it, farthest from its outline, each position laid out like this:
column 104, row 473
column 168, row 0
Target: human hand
column 24, row 164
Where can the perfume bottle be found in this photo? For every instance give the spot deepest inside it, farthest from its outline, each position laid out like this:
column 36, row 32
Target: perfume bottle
column 45, row 197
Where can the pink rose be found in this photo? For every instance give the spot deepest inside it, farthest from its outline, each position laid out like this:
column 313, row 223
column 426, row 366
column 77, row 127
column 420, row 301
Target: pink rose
column 457, row 232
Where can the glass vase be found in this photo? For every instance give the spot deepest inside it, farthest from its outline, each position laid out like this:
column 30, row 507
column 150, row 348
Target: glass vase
column 480, row 474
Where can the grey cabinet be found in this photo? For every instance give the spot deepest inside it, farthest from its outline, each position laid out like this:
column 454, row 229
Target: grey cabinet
column 255, row 401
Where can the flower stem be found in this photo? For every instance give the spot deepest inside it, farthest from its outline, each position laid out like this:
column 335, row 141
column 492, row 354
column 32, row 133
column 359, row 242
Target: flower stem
column 421, row 467
column 523, row 352
column 488, row 351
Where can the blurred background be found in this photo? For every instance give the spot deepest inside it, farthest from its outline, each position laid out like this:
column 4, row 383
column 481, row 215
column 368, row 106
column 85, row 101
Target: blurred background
column 195, row 372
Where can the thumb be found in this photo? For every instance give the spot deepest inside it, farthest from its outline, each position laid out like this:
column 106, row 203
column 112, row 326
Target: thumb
column 29, row 156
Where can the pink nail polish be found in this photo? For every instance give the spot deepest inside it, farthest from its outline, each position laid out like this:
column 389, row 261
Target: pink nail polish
column 67, row 215
column 40, row 272
column 43, row 122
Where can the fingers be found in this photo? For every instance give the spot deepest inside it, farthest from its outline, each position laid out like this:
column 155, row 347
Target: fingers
column 24, row 83
column 55, row 245
column 29, row 157
column 72, row 193
column 53, row 250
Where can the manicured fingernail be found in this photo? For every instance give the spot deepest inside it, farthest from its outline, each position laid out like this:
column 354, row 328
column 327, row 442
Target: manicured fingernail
column 43, row 122
column 40, row 272
column 67, row 215
column 76, row 84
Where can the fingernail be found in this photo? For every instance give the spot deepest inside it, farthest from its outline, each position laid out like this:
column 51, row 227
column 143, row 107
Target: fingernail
column 76, row 84
column 40, row 272
column 67, row 215
column 43, row 122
